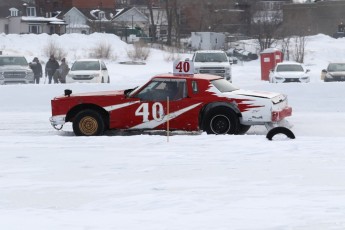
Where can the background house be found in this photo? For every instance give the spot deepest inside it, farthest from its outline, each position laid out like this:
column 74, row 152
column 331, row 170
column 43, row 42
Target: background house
column 22, row 17
column 130, row 21
column 77, row 22
column 49, row 8
column 88, row 21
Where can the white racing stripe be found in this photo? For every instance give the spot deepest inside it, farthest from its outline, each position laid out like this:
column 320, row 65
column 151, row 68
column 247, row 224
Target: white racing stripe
column 119, row 106
column 153, row 123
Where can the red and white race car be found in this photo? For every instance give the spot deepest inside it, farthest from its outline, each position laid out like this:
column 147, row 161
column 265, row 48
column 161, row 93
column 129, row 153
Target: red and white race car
column 177, row 102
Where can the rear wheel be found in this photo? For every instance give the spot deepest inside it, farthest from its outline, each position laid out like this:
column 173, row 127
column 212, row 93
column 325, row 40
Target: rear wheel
column 88, row 123
column 222, row 121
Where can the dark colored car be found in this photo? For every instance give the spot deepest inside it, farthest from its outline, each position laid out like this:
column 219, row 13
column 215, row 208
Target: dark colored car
column 335, row 72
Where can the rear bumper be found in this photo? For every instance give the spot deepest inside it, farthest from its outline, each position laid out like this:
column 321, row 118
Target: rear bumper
column 57, row 120
column 280, row 115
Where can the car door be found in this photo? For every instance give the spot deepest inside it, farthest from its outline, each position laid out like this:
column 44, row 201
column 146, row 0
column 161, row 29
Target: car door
column 160, row 103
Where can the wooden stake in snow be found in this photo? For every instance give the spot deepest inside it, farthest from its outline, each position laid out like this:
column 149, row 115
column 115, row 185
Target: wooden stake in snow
column 168, row 119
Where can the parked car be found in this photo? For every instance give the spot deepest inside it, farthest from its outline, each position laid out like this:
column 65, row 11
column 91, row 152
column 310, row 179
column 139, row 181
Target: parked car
column 233, row 60
column 189, row 102
column 88, row 71
column 334, row 72
column 289, row 72
column 212, row 62
column 15, row 70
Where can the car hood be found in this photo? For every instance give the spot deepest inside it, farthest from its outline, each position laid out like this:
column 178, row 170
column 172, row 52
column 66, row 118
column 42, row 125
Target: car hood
column 337, row 73
column 93, row 94
column 15, row 67
column 211, row 64
column 84, row 72
column 275, row 97
column 289, row 74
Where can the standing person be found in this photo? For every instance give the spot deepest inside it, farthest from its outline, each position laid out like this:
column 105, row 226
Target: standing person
column 51, row 66
column 36, row 67
column 63, row 71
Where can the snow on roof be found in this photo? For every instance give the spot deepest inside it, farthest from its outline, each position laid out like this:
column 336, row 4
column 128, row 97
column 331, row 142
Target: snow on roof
column 270, row 50
column 41, row 19
column 93, row 13
column 58, row 23
column 119, row 11
column 79, row 26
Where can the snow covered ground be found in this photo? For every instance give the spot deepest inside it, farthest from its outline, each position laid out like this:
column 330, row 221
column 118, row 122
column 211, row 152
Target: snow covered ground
column 53, row 180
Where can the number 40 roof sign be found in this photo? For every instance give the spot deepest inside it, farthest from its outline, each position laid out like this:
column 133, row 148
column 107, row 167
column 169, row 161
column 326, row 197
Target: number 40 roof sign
column 183, row 68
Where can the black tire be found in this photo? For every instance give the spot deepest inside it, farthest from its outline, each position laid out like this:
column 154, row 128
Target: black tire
column 108, row 80
column 243, row 129
column 280, row 130
column 102, row 81
column 222, row 121
column 88, row 123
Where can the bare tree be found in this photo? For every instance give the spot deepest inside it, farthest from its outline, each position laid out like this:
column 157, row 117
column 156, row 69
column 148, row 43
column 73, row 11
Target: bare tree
column 153, row 27
column 265, row 25
column 299, row 51
column 285, row 47
column 169, row 12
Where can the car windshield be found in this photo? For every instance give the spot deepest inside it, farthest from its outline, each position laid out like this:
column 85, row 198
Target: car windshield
column 223, row 85
column 13, row 61
column 289, row 68
column 333, row 67
column 211, row 57
column 160, row 89
column 85, row 65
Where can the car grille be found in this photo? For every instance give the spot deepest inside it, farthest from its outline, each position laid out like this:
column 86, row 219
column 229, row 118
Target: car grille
column 292, row 80
column 17, row 82
column 339, row 78
column 219, row 71
column 15, row 74
column 82, row 77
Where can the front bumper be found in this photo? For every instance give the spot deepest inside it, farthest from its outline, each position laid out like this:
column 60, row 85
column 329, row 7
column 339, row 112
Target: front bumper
column 15, row 81
column 334, row 78
column 287, row 80
column 57, row 120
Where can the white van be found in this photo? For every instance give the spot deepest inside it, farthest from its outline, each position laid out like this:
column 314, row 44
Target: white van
column 88, row 71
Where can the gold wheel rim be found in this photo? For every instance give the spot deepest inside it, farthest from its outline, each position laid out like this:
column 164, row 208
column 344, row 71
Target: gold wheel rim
column 88, row 125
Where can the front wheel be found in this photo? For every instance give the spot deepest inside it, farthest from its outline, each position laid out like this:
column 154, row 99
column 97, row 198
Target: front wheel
column 222, row 121
column 88, row 123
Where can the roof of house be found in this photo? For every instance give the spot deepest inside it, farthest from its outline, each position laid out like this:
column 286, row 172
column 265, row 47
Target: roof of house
column 20, row 5
column 93, row 14
column 127, row 14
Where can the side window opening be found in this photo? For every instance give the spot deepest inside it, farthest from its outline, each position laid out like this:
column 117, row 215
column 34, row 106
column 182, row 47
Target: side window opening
column 195, row 87
column 160, row 90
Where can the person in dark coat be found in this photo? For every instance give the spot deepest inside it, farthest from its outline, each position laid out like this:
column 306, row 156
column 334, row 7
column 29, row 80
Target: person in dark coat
column 51, row 66
column 36, row 67
column 61, row 72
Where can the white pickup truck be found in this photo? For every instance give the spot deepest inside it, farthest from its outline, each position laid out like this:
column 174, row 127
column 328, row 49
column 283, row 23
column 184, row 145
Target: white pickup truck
column 213, row 62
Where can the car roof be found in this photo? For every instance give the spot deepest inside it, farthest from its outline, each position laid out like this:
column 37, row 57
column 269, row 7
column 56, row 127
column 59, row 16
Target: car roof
column 209, row 51
column 195, row 76
column 88, row 59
